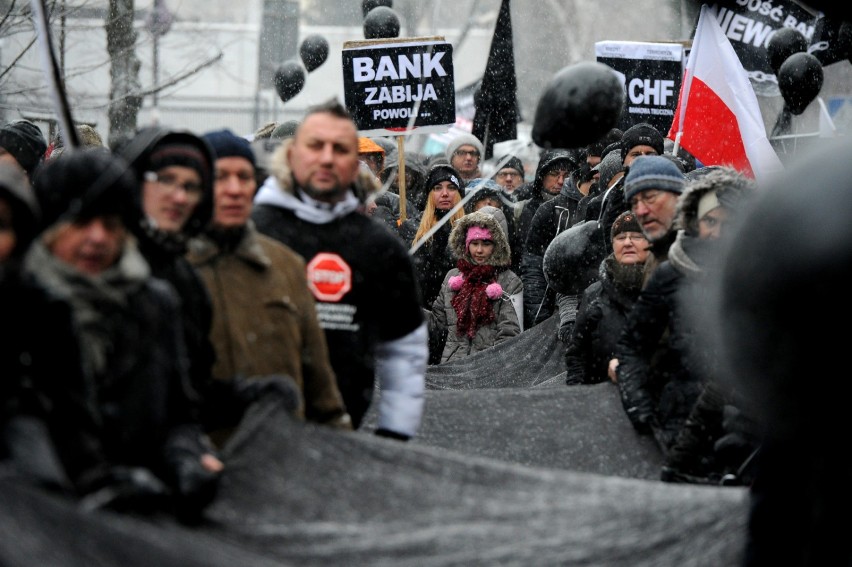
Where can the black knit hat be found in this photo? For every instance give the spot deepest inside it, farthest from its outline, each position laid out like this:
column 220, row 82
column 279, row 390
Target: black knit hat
column 85, row 184
column 441, row 173
column 642, row 134
column 625, row 222
column 15, row 189
column 25, row 142
column 227, row 144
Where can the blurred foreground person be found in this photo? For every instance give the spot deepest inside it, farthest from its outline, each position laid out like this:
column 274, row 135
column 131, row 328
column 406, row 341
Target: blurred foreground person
column 359, row 272
column 173, row 202
column 783, row 290
column 149, row 448
column 265, row 326
column 42, row 409
column 475, row 306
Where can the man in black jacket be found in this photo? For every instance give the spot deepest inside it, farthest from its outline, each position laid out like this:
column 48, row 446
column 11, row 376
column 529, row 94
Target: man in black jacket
column 359, row 272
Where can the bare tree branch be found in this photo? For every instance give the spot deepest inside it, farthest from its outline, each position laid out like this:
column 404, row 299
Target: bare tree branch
column 16, row 59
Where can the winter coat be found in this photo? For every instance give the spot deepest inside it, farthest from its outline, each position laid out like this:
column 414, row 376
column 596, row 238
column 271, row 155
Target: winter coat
column 506, row 324
column 602, row 314
column 44, row 379
column 551, row 218
column 373, row 320
column 131, row 337
column 265, row 318
column 164, row 252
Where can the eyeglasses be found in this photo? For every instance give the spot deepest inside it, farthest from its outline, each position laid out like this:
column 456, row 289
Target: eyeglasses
column 622, row 236
column 508, row 174
column 557, row 173
column 466, row 153
column 647, row 197
column 170, row 184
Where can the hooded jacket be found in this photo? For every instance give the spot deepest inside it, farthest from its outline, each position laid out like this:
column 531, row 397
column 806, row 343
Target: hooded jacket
column 369, row 309
column 531, row 197
column 551, row 218
column 164, row 252
column 416, row 192
column 506, row 323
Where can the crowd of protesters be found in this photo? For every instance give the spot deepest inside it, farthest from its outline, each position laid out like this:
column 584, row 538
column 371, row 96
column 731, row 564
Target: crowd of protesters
column 157, row 289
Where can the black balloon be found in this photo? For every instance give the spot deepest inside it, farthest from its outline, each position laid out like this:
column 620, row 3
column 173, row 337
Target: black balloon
column 313, row 51
column 368, row 5
column 784, row 43
column 381, row 22
column 289, row 79
column 800, row 80
column 573, row 257
column 581, row 103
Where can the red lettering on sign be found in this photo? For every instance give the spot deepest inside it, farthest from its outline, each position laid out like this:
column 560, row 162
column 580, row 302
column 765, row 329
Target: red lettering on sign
column 329, row 277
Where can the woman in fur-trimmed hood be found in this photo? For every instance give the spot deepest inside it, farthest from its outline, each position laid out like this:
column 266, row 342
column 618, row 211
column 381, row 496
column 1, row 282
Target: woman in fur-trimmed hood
column 476, row 305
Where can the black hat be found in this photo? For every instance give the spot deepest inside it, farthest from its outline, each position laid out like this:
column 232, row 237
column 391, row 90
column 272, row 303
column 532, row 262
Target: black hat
column 642, row 134
column 625, row 222
column 16, row 191
column 441, row 173
column 85, row 184
column 596, row 149
column 227, row 144
column 25, row 142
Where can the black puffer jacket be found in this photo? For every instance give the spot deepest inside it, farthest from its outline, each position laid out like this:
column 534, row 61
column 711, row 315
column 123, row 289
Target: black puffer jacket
column 551, row 218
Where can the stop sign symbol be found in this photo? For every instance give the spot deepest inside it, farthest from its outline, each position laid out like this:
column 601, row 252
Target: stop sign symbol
column 329, row 276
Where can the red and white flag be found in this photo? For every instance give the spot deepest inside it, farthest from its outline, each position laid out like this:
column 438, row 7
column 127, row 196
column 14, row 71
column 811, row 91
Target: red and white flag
column 718, row 118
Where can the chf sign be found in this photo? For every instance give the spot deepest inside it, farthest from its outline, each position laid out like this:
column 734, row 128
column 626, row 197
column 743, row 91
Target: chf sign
column 329, row 277
column 399, row 86
column 651, row 74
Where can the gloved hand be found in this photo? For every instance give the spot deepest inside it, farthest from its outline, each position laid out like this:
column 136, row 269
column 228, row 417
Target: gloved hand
column 392, row 434
column 564, row 332
column 195, row 487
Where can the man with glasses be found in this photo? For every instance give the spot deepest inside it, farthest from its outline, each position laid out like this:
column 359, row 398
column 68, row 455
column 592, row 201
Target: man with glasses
column 651, row 188
column 510, row 176
column 465, row 154
column 174, row 203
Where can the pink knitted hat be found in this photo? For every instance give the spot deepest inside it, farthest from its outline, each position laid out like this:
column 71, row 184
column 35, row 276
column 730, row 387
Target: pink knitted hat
column 477, row 233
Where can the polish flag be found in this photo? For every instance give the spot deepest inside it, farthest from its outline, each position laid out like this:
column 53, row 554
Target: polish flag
column 718, row 118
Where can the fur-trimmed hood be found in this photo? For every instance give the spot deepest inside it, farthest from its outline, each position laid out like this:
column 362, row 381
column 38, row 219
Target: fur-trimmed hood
column 365, row 182
column 730, row 186
column 501, row 256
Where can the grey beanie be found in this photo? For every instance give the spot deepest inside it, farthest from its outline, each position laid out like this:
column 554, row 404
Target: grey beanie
column 464, row 140
column 653, row 172
column 608, row 167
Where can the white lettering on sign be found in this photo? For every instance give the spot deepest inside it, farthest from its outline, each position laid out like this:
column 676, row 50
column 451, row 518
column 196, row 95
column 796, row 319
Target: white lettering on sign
column 645, row 91
column 400, row 93
column 417, row 66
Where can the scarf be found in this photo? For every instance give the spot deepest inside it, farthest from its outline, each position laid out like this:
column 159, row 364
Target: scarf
column 471, row 303
column 94, row 299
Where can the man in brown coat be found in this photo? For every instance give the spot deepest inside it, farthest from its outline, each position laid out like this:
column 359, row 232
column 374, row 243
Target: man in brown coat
column 264, row 316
